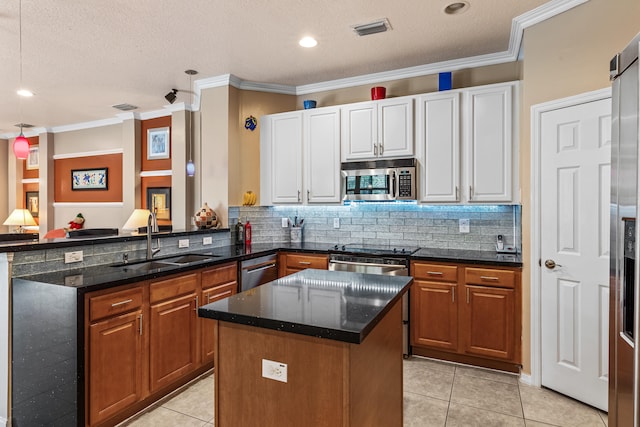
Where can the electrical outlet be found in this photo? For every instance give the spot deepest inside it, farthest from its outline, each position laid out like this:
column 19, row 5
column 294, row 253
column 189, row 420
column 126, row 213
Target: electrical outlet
column 274, row 370
column 207, row 240
column 70, row 257
column 285, row 222
column 464, row 225
column 336, row 222
column 183, row 243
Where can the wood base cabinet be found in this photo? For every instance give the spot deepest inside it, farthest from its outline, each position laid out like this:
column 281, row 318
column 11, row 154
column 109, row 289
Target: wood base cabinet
column 467, row 314
column 145, row 340
column 289, row 263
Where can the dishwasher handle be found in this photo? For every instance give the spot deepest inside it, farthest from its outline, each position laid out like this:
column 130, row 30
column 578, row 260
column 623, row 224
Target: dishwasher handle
column 259, row 267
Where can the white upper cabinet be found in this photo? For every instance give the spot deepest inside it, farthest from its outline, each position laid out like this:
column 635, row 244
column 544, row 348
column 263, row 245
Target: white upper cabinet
column 377, row 129
column 322, row 155
column 438, row 146
column 465, row 145
column 300, row 157
column 489, row 135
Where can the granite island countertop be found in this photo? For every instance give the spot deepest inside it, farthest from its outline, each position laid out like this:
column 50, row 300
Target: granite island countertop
column 337, row 305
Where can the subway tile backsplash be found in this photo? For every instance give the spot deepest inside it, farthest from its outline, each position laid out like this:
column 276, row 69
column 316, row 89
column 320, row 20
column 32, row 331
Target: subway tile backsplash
column 402, row 224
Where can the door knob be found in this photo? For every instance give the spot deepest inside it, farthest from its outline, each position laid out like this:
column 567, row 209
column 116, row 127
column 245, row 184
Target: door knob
column 551, row 264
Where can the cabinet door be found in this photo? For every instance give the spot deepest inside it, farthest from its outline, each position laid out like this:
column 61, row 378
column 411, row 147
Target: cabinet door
column 488, row 320
column 489, row 130
column 438, row 132
column 434, row 315
column 359, row 131
column 208, row 332
column 115, row 365
column 395, row 128
column 286, row 158
column 172, row 340
column 322, row 155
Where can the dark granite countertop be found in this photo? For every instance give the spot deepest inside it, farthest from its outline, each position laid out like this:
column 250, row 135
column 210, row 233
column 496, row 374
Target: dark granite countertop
column 328, row 304
column 104, row 276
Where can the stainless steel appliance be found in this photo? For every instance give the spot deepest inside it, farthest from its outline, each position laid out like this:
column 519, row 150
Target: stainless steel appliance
column 379, row 180
column 377, row 260
column 258, row 271
column 623, row 294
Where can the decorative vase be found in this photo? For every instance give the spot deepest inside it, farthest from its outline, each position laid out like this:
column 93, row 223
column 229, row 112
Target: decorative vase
column 206, row 218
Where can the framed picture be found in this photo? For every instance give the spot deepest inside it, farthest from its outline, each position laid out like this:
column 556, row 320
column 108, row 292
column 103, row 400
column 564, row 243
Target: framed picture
column 89, row 179
column 32, row 203
column 159, row 201
column 158, row 145
column 32, row 158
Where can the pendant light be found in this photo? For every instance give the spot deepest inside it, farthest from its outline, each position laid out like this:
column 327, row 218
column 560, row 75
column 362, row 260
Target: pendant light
column 21, row 144
column 191, row 167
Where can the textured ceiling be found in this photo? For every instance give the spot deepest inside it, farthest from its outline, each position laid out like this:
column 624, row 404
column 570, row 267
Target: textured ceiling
column 82, row 57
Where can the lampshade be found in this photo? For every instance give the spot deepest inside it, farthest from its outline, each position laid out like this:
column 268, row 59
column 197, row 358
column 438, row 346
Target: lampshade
column 20, row 217
column 21, row 147
column 138, row 219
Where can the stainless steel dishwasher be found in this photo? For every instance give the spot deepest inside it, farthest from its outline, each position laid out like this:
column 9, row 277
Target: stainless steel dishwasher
column 257, row 271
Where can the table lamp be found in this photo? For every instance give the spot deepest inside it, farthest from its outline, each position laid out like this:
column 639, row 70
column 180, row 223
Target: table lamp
column 138, row 219
column 20, row 217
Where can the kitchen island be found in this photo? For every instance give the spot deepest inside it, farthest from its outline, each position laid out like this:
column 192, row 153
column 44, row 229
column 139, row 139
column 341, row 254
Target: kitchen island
column 330, row 341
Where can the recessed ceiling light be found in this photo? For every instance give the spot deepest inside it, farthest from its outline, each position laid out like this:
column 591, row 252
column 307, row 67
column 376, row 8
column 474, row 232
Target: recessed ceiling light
column 25, row 92
column 456, row 8
column 308, row 42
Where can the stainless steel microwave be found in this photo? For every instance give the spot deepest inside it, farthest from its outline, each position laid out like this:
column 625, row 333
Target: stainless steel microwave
column 379, row 180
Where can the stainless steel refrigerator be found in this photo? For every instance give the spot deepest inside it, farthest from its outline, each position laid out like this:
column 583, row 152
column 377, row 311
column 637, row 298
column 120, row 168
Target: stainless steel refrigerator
column 624, row 296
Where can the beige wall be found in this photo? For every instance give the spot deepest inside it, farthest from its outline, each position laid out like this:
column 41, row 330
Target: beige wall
column 86, row 140
column 463, row 78
column 564, row 56
column 4, row 177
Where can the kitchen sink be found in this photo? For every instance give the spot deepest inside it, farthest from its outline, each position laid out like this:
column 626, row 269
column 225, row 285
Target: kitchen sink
column 188, row 259
column 148, row 266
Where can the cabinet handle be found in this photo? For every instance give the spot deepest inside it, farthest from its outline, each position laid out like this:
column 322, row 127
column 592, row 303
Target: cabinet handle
column 304, row 262
column 470, row 193
column 381, row 148
column 196, row 309
column 467, row 295
column 308, row 195
column 491, row 278
column 208, row 298
column 298, row 195
column 435, row 273
column 453, row 295
column 140, row 323
column 375, row 149
column 115, row 304
column 457, row 197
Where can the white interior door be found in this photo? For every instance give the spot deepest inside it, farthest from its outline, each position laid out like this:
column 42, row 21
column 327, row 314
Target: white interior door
column 575, row 179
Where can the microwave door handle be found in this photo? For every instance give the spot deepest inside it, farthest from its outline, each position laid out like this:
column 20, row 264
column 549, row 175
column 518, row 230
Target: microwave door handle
column 394, row 185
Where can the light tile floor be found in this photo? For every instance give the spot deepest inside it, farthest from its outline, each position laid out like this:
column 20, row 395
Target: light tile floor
column 435, row 394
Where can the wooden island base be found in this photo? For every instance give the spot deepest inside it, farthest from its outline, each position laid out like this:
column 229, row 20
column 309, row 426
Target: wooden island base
column 329, row 383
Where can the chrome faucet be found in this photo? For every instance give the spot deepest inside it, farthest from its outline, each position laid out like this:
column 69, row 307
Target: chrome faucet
column 152, row 227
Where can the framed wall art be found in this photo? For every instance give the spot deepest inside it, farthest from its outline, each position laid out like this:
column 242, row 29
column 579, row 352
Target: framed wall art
column 158, row 144
column 32, row 202
column 32, row 159
column 159, row 201
column 89, row 179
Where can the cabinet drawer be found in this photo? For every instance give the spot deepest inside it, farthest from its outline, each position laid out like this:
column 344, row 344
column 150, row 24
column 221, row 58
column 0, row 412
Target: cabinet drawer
column 114, row 303
column 219, row 292
column 489, row 277
column 307, row 261
column 175, row 286
column 218, row 275
column 439, row 273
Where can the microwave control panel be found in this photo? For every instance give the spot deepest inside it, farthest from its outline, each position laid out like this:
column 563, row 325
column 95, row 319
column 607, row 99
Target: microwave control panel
column 405, row 184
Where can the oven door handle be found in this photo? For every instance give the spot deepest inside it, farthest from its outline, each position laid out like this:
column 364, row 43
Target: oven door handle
column 398, row 266
column 394, row 183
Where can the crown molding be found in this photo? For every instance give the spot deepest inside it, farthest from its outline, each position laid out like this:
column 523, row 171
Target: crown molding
column 88, row 204
column 30, row 180
column 156, row 173
column 88, row 154
column 85, row 125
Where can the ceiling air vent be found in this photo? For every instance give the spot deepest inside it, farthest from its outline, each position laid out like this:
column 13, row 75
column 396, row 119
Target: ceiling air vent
column 23, row 125
column 379, row 26
column 124, row 107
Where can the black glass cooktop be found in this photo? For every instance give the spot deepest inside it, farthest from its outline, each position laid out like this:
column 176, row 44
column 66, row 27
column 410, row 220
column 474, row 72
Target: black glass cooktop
column 375, row 250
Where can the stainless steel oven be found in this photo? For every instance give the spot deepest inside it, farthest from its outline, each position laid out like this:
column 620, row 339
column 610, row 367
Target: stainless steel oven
column 379, row 180
column 377, row 260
